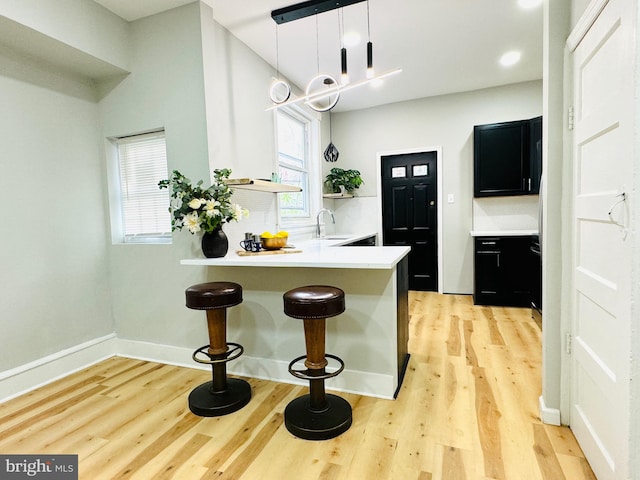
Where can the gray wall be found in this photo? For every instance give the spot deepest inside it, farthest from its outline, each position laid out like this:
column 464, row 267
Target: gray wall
column 55, row 272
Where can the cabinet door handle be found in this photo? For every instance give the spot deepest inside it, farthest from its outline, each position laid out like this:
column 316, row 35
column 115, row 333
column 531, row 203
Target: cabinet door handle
column 498, row 260
column 529, row 184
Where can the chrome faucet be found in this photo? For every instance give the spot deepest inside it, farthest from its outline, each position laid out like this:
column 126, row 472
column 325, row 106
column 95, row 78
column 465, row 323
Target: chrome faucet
column 324, row 210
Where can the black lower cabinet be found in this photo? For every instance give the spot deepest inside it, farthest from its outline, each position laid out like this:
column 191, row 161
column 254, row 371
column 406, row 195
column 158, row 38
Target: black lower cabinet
column 504, row 271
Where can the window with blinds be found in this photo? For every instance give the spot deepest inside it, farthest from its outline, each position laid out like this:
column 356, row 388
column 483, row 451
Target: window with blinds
column 145, row 208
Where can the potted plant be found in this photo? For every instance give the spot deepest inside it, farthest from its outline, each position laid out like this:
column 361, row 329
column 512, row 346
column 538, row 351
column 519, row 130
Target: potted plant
column 340, row 181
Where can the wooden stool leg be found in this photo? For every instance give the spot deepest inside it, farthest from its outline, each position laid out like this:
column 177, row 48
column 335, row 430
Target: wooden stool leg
column 217, row 325
column 314, row 335
column 222, row 395
column 317, row 415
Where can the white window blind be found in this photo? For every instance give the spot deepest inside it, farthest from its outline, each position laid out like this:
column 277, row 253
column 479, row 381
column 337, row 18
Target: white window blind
column 145, row 208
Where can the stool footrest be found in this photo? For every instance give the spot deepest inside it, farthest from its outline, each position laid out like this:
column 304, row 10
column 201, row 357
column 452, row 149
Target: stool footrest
column 309, row 374
column 230, row 354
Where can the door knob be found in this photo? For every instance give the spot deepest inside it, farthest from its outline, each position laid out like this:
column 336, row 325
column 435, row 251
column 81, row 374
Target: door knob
column 432, row 203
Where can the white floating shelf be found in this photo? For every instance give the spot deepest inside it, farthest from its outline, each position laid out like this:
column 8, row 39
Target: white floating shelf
column 337, row 195
column 261, row 185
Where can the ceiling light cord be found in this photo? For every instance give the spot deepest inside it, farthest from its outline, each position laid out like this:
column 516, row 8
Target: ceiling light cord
column 277, row 55
column 317, row 44
column 368, row 23
column 344, row 79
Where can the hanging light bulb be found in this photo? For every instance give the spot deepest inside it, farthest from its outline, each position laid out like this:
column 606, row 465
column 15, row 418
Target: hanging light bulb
column 344, row 78
column 370, row 72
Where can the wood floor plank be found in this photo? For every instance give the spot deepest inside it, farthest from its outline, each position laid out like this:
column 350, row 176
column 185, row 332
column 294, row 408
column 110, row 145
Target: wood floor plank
column 547, row 459
column 468, row 409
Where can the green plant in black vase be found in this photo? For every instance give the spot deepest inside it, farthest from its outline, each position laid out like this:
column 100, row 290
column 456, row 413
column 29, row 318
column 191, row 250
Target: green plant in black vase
column 350, row 180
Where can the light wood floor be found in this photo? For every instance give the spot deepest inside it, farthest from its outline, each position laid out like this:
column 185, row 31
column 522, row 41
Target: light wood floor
column 468, row 409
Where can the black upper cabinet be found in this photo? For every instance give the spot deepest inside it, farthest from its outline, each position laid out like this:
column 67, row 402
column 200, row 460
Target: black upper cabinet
column 535, row 154
column 507, row 158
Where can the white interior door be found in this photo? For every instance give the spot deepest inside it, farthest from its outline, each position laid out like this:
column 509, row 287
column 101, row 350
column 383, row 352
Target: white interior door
column 603, row 150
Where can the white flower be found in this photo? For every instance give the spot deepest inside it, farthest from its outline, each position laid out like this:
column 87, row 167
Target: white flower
column 195, row 203
column 192, row 222
column 211, row 208
column 237, row 212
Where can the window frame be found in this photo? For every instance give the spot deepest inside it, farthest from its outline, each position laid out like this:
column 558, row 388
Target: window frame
column 116, row 201
column 313, row 168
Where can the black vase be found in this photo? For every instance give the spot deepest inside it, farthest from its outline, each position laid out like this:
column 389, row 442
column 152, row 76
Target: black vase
column 215, row 244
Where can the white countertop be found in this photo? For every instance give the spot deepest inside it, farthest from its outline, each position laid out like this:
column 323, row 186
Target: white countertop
column 316, row 253
column 503, row 233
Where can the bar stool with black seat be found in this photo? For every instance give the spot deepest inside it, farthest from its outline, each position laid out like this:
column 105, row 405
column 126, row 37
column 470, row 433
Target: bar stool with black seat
column 221, row 395
column 316, row 415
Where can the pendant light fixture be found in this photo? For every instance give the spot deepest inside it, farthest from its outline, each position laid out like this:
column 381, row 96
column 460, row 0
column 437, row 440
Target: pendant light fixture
column 323, row 91
column 370, row 72
column 320, row 87
column 280, row 90
column 331, row 153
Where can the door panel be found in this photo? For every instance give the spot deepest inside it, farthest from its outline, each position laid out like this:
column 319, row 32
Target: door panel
column 409, row 192
column 602, row 152
column 420, row 209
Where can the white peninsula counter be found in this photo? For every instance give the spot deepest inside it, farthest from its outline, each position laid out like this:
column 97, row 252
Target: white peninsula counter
column 370, row 336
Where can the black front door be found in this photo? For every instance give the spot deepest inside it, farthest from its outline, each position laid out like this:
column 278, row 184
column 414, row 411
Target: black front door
column 409, row 213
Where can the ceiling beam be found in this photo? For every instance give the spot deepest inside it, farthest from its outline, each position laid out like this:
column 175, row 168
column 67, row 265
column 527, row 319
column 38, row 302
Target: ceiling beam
column 306, row 9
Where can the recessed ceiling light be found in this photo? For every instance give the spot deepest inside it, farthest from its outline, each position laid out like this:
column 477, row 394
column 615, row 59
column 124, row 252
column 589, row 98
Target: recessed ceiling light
column 510, row 58
column 351, row 39
column 529, row 3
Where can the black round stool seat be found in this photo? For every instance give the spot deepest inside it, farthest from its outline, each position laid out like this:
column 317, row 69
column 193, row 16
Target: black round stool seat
column 316, row 301
column 316, row 415
column 206, row 296
column 221, row 395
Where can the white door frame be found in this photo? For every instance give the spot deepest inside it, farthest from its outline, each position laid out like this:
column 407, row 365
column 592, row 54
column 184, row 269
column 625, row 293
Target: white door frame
column 439, row 219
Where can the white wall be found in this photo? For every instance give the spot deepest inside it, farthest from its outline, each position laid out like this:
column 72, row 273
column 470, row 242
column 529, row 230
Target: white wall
column 85, row 26
column 55, row 272
column 240, row 132
column 446, row 121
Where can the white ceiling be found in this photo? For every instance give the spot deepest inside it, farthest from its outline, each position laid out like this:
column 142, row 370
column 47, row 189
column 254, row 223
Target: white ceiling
column 442, row 46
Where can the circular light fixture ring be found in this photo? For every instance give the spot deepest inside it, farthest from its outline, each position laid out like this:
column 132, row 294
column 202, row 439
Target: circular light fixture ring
column 318, row 80
column 279, row 92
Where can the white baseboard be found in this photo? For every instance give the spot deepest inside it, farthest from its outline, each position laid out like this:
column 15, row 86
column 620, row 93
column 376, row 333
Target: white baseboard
column 23, row 379
column 550, row 416
column 350, row 381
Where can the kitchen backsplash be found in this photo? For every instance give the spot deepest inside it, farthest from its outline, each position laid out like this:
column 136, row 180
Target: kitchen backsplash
column 505, row 213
